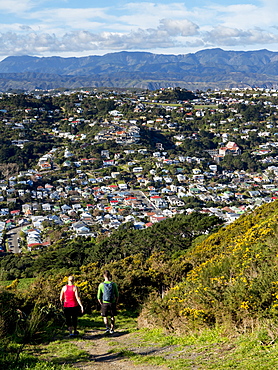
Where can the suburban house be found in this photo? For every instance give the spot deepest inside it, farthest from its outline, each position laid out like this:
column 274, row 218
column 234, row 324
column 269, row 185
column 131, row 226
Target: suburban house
column 230, row 148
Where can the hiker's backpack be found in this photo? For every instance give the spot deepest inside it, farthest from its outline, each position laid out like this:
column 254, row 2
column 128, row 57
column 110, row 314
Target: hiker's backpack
column 108, row 292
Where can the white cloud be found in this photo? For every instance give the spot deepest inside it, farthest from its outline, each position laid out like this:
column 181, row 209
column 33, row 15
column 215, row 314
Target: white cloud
column 161, row 10
column 226, row 36
column 33, row 43
column 134, row 26
column 70, row 19
column 169, row 34
column 178, row 27
column 246, row 15
column 16, row 6
column 146, row 15
column 14, row 27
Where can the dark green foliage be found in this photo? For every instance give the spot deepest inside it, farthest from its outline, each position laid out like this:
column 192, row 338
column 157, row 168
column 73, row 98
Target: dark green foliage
column 243, row 162
column 14, row 266
column 26, row 318
column 169, row 236
column 176, row 94
column 151, row 138
column 233, row 279
column 104, row 106
column 8, row 313
column 67, row 257
column 193, row 202
column 22, row 101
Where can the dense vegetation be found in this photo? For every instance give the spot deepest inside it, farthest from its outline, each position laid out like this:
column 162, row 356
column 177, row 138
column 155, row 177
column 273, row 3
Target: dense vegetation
column 226, row 278
column 233, row 280
column 140, row 266
column 170, row 237
column 177, row 94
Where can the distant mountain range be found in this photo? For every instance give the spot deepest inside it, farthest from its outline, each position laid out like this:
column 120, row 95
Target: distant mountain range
column 211, row 68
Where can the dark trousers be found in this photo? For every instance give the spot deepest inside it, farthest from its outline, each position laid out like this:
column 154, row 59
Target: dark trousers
column 71, row 314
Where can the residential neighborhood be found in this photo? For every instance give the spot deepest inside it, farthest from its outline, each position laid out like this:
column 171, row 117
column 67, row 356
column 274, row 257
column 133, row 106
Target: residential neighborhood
column 96, row 161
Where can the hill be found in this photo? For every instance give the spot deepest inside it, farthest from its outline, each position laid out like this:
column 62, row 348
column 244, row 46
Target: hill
column 233, row 280
column 211, row 68
column 226, row 304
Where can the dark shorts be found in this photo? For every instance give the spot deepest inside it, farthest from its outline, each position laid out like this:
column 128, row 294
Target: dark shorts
column 108, row 309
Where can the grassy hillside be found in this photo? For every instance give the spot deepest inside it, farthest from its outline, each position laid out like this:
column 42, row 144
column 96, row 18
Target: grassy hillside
column 234, row 279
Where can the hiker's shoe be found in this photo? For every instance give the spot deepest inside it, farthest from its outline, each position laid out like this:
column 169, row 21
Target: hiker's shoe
column 76, row 333
column 111, row 331
column 71, row 335
column 107, row 330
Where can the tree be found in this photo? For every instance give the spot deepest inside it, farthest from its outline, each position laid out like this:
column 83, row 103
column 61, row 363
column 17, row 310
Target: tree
column 9, row 169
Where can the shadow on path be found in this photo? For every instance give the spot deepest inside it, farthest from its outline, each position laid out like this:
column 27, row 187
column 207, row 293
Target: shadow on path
column 99, row 334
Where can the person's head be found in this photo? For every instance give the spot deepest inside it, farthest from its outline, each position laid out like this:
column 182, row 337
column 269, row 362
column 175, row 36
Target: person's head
column 107, row 275
column 70, row 279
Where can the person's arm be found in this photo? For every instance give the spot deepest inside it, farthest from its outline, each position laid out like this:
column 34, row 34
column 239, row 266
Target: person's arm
column 116, row 292
column 62, row 297
column 99, row 294
column 78, row 299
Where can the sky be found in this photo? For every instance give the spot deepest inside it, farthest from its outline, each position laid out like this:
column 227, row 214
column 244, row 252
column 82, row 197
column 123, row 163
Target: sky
column 75, row 28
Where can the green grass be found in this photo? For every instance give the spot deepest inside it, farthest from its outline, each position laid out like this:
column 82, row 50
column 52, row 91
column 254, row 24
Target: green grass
column 164, row 104
column 207, row 336
column 22, row 285
column 62, row 351
column 211, row 106
column 26, row 360
column 34, row 364
column 138, row 359
column 206, row 350
column 127, row 320
column 124, row 321
column 66, row 351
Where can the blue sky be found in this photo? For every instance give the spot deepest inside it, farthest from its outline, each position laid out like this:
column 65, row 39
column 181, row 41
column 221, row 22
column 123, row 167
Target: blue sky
column 82, row 27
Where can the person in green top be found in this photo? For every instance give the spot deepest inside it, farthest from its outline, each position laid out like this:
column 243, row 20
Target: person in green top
column 108, row 296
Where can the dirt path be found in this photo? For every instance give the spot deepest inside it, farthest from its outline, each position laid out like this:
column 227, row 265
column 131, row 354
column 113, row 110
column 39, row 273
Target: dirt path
column 100, row 347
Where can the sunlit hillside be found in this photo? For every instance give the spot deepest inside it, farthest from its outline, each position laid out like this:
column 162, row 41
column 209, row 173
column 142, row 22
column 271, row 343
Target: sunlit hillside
column 233, row 281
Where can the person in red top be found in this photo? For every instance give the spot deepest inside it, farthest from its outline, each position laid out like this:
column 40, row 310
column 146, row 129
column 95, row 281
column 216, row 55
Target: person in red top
column 70, row 300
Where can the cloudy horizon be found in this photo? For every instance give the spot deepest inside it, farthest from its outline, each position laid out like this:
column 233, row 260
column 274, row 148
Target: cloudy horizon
column 70, row 28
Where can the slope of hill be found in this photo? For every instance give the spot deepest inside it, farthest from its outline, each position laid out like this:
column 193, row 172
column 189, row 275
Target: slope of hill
column 234, row 278
column 227, row 303
column 212, row 68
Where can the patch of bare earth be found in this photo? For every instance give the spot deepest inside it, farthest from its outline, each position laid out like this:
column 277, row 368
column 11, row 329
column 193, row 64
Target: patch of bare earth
column 99, row 347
